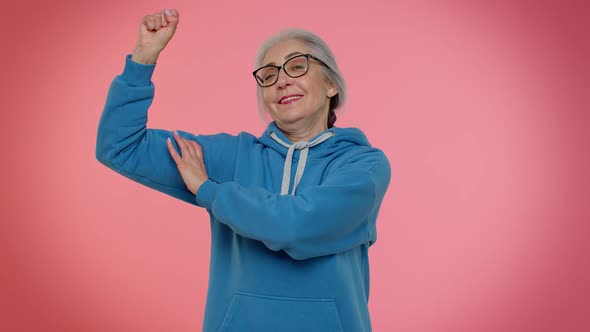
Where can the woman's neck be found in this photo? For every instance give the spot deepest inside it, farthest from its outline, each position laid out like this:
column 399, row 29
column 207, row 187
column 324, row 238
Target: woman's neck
column 302, row 133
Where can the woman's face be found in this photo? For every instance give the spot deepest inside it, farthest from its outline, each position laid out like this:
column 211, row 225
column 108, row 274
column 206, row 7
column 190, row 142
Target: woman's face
column 307, row 109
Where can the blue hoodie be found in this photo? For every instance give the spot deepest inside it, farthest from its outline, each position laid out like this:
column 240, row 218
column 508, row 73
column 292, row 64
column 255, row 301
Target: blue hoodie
column 291, row 224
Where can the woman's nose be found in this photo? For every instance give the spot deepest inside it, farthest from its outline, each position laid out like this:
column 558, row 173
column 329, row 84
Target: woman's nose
column 284, row 80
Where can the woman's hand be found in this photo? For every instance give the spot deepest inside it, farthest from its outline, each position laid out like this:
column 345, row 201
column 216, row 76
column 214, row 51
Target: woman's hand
column 155, row 31
column 190, row 163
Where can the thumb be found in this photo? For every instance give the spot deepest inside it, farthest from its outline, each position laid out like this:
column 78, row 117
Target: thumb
column 171, row 16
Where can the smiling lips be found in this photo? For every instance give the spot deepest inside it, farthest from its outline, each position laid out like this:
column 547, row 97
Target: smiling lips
column 289, row 99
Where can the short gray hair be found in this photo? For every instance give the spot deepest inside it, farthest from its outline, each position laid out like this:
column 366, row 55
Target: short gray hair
column 320, row 50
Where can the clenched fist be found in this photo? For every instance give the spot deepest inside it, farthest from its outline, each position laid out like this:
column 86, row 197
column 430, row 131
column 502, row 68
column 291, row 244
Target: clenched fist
column 155, row 31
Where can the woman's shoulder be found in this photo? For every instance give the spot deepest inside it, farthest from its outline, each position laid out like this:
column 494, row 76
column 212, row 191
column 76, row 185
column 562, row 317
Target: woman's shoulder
column 229, row 137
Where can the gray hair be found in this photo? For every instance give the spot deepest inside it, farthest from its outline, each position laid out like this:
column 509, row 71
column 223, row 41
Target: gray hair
column 318, row 49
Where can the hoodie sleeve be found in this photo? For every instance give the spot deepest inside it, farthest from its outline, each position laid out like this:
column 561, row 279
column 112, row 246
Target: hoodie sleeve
column 337, row 215
column 125, row 145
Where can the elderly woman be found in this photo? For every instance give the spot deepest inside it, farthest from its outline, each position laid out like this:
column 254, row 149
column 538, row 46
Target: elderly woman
column 292, row 212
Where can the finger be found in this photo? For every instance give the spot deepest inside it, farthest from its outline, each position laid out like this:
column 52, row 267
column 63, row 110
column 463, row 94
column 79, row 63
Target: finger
column 171, row 14
column 150, row 23
column 190, row 149
column 172, row 17
column 157, row 22
column 198, row 150
column 144, row 21
column 163, row 19
column 181, row 143
column 175, row 156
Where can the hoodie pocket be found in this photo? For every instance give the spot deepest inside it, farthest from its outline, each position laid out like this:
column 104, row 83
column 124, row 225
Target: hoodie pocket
column 255, row 312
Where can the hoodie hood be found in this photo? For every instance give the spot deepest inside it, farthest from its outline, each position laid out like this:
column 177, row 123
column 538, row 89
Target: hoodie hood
column 325, row 143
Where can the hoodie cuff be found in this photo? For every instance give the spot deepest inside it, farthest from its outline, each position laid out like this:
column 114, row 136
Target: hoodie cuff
column 137, row 74
column 206, row 194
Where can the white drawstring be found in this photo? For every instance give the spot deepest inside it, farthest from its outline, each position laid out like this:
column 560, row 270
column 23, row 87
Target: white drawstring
column 303, row 146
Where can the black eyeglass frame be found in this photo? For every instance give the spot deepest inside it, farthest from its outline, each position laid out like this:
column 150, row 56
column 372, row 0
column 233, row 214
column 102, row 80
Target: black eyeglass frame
column 308, row 56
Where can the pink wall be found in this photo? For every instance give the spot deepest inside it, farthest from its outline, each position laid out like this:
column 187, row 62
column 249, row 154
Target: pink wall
column 483, row 111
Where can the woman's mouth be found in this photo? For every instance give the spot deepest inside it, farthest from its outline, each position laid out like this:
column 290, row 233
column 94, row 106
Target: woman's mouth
column 289, row 99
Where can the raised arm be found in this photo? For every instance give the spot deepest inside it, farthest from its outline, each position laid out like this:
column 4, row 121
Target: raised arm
column 123, row 143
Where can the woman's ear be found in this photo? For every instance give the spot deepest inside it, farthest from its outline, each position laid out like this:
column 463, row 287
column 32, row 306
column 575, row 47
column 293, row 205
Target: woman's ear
column 332, row 90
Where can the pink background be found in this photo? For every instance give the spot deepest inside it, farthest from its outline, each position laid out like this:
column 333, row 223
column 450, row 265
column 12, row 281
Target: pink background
column 483, row 111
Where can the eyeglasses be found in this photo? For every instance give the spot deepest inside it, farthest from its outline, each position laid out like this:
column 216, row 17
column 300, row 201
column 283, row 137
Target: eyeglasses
column 294, row 67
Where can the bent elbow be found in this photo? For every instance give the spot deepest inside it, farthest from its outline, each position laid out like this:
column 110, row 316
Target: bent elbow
column 102, row 157
column 288, row 243
column 102, row 152
column 296, row 248
column 297, row 255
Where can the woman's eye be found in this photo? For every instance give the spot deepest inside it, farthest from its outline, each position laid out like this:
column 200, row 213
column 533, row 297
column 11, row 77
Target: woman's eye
column 297, row 68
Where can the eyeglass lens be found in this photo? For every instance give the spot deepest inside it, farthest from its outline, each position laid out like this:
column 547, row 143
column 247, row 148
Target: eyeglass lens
column 294, row 67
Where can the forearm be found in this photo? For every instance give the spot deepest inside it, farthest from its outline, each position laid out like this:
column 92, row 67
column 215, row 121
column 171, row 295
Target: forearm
column 331, row 217
column 318, row 221
column 145, row 56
